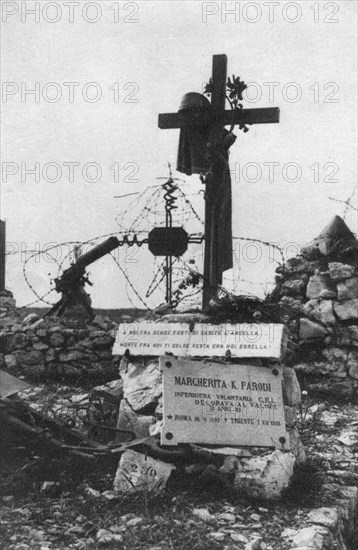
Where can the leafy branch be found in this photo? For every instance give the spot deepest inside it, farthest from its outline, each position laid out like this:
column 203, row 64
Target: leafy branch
column 234, row 91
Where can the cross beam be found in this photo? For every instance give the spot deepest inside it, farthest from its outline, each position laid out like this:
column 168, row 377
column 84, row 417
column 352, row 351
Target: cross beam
column 220, row 119
column 269, row 115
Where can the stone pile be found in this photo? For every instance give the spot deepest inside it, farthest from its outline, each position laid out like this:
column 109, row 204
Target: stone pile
column 256, row 472
column 50, row 349
column 318, row 292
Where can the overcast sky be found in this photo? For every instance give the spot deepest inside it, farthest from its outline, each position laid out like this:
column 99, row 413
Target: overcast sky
column 129, row 61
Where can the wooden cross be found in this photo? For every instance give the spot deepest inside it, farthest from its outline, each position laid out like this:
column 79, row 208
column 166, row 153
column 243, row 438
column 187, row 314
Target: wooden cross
column 221, row 118
column 2, row 255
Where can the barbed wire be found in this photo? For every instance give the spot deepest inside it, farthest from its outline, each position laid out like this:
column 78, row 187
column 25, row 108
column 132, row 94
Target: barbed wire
column 152, row 207
column 154, row 284
column 138, row 218
column 36, row 301
column 131, row 285
column 47, row 250
column 347, row 202
column 24, row 272
column 265, row 243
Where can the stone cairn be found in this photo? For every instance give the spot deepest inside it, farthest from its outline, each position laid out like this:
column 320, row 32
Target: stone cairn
column 318, row 294
column 258, row 472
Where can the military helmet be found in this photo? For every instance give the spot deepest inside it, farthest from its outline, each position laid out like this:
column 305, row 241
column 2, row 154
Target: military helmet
column 194, row 100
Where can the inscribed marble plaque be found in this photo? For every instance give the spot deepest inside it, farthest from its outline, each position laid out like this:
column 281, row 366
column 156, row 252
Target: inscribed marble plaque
column 201, row 340
column 222, row 404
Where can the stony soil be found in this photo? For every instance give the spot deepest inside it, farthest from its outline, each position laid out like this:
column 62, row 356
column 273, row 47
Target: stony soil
column 75, row 510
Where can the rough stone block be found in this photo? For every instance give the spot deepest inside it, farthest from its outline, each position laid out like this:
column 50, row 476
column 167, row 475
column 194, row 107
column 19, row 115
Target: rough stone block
column 254, row 544
column 290, row 416
column 137, row 472
column 100, row 321
column 328, row 517
column 40, row 346
column 320, row 286
column 349, row 438
column 69, row 355
column 6, row 301
column 97, row 333
column 292, row 305
column 6, row 292
column 298, row 264
column 160, row 408
column 311, row 331
column 10, row 361
column 20, row 341
column 57, row 340
column 353, row 334
column 339, row 271
column 347, row 310
column 50, row 355
column 321, row 310
column 84, row 344
column 328, row 418
column 353, row 371
column 265, row 477
column 348, row 289
column 293, row 287
column 28, row 358
column 312, row 538
column 352, row 358
column 156, row 429
column 102, row 342
column 291, row 388
column 142, row 384
column 54, row 329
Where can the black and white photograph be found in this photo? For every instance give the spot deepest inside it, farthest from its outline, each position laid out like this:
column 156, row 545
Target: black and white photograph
column 178, row 275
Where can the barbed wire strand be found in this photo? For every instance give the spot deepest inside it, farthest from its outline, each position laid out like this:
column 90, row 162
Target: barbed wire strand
column 152, row 207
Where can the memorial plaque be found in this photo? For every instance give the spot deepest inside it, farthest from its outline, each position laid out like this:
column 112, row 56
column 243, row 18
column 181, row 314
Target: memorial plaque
column 204, row 340
column 222, row 404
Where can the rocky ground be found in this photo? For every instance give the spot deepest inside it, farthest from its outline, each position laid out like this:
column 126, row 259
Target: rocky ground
column 50, row 505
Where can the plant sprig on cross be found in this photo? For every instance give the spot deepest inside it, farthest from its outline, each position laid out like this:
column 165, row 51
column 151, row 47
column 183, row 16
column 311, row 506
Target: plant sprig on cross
column 234, row 90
